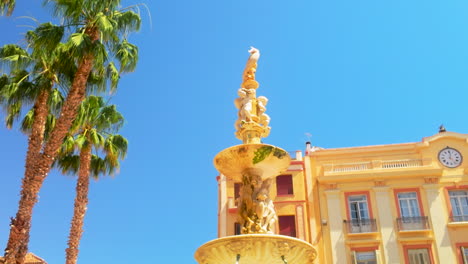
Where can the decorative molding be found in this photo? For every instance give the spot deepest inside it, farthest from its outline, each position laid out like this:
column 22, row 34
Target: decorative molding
column 380, row 183
column 431, row 180
column 331, row 186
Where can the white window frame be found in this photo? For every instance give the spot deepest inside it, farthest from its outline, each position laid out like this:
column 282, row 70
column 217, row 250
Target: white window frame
column 357, row 260
column 413, row 212
column 464, row 256
column 416, row 258
column 358, row 203
column 456, row 201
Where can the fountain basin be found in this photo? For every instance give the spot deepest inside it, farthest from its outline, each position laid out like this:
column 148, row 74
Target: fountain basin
column 266, row 160
column 256, row 249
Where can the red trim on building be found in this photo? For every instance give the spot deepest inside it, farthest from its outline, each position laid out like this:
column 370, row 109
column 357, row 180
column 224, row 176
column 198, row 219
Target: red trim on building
column 295, row 162
column 459, row 252
column 296, row 201
column 361, row 249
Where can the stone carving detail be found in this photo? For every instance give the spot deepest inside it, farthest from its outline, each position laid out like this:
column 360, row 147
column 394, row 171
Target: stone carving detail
column 431, row 180
column 331, row 186
column 311, row 255
column 379, row 183
column 282, row 248
column 239, row 247
column 251, row 110
column 248, row 77
column 256, row 210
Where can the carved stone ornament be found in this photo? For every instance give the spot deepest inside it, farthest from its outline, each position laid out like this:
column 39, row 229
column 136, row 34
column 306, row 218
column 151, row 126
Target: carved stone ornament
column 379, row 183
column 252, row 122
column 431, row 180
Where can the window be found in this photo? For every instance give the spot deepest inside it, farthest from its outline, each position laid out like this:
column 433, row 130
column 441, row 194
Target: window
column 287, row 225
column 462, row 249
column 237, row 228
column 237, row 189
column 408, row 203
column 418, row 256
column 364, row 257
column 284, row 185
column 359, row 213
column 410, row 211
column 464, row 253
column 459, row 203
column 358, row 207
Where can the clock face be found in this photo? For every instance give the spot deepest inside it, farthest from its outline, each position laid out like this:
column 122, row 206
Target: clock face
column 450, row 157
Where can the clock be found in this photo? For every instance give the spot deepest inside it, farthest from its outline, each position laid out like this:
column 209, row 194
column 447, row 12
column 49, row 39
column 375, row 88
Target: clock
column 450, row 157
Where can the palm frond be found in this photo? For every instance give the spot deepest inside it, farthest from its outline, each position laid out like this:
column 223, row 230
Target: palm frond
column 128, row 21
column 68, row 164
column 113, row 76
column 45, row 38
column 14, row 57
column 127, row 55
column 27, row 122
column 7, row 6
column 13, row 113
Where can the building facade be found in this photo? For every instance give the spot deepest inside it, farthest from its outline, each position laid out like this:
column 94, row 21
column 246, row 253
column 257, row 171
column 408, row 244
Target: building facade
column 398, row 203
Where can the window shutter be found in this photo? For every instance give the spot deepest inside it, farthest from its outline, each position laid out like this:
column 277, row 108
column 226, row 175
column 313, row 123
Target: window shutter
column 377, row 256
column 353, row 257
column 464, row 255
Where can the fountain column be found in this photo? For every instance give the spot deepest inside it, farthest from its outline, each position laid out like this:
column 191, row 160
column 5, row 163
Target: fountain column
column 254, row 164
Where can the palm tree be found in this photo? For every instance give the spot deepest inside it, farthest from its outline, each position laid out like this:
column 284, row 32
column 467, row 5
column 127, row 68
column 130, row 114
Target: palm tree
column 31, row 82
column 7, row 6
column 93, row 129
column 100, row 39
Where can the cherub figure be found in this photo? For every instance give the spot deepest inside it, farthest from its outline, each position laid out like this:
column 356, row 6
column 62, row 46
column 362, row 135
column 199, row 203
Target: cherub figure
column 264, row 209
column 245, row 104
column 264, row 119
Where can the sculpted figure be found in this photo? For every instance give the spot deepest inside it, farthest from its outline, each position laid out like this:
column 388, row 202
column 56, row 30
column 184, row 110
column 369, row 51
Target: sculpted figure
column 257, row 212
column 264, row 119
column 251, row 66
column 245, row 206
column 245, row 104
column 265, row 210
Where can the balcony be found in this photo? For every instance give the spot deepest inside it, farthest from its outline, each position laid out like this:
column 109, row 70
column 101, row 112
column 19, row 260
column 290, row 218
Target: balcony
column 359, row 226
column 459, row 218
column 413, row 223
column 373, row 165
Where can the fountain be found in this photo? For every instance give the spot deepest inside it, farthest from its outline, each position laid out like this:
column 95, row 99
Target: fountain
column 254, row 164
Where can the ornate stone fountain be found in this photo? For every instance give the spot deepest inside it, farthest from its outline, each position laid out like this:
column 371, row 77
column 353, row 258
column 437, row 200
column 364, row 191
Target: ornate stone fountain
column 254, row 164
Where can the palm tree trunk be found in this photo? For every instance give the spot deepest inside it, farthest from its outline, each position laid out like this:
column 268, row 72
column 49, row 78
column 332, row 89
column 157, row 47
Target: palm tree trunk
column 37, row 172
column 35, row 141
column 81, row 202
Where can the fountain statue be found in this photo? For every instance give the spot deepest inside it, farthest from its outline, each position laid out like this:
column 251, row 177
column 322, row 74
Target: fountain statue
column 254, row 164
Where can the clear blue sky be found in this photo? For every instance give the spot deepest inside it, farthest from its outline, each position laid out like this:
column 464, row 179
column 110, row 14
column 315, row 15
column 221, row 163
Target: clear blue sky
column 351, row 73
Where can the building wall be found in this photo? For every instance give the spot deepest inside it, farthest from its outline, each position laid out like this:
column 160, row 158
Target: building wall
column 325, row 179
column 381, row 172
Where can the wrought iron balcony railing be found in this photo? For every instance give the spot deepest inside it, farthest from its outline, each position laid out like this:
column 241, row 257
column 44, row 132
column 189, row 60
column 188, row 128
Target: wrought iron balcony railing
column 356, row 226
column 413, row 223
column 459, row 218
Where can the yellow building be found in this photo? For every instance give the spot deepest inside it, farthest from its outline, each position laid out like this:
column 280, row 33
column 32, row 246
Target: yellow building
column 398, row 203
